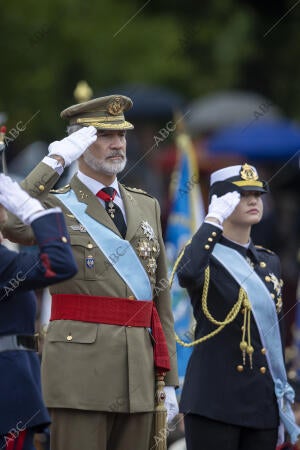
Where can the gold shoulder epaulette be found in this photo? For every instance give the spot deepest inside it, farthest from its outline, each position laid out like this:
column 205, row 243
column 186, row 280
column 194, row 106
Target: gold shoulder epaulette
column 61, row 190
column 260, row 247
column 136, row 190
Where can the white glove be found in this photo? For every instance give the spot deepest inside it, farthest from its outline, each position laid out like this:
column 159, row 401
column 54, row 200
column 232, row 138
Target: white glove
column 72, row 147
column 171, row 403
column 221, row 207
column 17, row 201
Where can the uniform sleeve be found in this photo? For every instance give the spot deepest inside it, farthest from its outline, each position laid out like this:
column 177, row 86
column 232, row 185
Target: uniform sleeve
column 197, row 254
column 38, row 184
column 52, row 263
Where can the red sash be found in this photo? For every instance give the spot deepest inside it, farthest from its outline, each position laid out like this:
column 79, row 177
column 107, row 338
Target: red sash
column 114, row 311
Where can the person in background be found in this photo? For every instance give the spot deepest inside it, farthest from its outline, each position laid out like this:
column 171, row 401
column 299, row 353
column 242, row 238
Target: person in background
column 22, row 410
column 236, row 393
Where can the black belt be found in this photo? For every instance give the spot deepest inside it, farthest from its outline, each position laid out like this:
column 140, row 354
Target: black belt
column 19, row 342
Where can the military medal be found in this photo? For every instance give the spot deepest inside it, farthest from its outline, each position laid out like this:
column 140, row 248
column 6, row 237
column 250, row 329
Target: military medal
column 151, row 266
column 148, row 230
column 111, row 210
column 144, row 248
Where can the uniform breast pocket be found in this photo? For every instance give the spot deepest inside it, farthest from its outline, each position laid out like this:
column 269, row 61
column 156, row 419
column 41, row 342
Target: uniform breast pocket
column 85, row 254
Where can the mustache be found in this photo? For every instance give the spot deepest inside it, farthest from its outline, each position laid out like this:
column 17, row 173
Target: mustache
column 116, row 153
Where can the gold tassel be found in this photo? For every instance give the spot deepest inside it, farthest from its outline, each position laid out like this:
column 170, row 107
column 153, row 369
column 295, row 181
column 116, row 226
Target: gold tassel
column 160, row 426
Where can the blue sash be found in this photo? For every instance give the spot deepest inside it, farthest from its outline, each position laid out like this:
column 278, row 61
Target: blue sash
column 117, row 250
column 265, row 316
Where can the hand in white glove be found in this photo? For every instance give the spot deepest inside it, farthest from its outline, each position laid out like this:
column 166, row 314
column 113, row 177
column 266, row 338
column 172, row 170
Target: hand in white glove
column 171, row 403
column 221, row 207
column 72, row 147
column 17, row 201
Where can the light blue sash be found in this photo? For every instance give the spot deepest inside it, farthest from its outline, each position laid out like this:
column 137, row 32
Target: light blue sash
column 117, row 250
column 264, row 313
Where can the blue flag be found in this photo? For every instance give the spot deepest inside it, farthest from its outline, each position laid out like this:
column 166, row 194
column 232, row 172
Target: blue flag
column 186, row 215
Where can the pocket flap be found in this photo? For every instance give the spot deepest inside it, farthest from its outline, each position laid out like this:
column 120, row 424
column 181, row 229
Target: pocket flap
column 72, row 332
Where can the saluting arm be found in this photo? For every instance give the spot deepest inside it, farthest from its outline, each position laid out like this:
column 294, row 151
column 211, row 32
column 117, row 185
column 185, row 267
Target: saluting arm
column 39, row 182
column 197, row 254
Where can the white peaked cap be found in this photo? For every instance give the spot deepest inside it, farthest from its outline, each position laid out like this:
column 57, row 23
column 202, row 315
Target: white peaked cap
column 228, row 172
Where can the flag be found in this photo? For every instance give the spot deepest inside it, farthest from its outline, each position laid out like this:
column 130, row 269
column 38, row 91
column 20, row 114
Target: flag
column 186, row 215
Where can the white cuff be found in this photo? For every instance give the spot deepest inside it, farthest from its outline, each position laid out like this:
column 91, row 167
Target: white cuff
column 54, row 164
column 214, row 223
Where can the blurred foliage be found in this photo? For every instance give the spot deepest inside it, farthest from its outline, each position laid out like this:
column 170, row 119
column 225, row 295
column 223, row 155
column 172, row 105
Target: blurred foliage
column 193, row 48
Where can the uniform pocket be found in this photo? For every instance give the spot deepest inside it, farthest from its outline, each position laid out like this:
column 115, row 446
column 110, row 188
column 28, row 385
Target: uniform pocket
column 85, row 254
column 72, row 332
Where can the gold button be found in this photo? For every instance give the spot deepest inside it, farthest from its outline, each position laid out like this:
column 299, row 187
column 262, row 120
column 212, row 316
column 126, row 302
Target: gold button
column 69, row 337
column 210, row 239
column 41, row 187
column 206, row 246
column 239, row 368
column 131, row 297
column 267, row 278
column 64, row 239
column 90, row 245
column 263, row 350
column 214, row 233
column 262, row 264
column 242, row 328
column 262, row 370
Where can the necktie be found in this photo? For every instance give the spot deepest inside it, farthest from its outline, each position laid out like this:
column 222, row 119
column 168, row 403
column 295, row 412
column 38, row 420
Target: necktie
column 108, row 194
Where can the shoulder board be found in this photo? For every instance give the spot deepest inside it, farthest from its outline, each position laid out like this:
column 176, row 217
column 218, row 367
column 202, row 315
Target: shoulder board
column 61, row 190
column 259, row 247
column 136, row 190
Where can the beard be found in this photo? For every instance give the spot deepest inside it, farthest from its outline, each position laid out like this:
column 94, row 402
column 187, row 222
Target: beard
column 106, row 166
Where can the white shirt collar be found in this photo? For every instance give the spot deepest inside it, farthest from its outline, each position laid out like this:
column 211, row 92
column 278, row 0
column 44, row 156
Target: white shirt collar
column 94, row 185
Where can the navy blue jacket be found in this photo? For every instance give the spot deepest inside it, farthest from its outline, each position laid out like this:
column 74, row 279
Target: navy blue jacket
column 215, row 384
column 21, row 402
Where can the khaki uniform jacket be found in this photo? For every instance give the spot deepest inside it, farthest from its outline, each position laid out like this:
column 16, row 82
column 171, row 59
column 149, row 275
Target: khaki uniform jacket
column 102, row 367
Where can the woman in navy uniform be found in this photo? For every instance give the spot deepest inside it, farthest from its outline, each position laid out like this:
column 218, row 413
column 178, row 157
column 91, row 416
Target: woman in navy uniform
column 235, row 394
column 22, row 411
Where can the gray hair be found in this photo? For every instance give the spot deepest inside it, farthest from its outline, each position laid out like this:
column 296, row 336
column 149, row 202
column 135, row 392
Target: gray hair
column 72, row 128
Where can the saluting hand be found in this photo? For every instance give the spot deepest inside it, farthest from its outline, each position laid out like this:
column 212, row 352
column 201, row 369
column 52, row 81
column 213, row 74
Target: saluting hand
column 73, row 146
column 221, row 207
column 18, row 201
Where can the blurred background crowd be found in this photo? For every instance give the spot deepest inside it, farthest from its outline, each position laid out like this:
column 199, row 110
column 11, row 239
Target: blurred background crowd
column 224, row 73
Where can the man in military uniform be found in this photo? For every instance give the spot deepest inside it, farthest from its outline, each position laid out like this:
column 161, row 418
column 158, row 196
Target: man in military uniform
column 22, row 409
column 111, row 329
column 235, row 393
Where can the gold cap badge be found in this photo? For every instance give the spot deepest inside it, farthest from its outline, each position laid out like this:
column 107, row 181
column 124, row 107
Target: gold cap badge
column 248, row 172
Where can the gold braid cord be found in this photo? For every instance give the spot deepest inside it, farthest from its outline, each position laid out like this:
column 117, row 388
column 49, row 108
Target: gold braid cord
column 242, row 301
